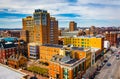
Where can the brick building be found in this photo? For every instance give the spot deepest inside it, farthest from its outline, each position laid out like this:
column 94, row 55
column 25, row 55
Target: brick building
column 17, row 61
column 72, row 26
column 66, row 67
column 6, row 50
column 10, row 33
column 112, row 38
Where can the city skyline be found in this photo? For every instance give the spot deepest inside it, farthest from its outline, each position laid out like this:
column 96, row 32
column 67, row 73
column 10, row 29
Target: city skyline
column 84, row 12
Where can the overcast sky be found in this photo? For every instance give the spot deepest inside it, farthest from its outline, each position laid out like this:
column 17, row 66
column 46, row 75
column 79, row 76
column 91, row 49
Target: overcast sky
column 85, row 12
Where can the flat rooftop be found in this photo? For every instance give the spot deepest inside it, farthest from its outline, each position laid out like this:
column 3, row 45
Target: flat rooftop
column 53, row 45
column 9, row 39
column 80, row 48
column 72, row 62
column 10, row 73
column 83, row 37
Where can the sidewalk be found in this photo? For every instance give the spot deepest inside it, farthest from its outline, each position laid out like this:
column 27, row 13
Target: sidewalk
column 30, row 74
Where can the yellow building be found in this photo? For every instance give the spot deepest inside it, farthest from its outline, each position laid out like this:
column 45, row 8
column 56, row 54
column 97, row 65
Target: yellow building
column 48, row 50
column 84, row 42
column 80, row 53
column 28, row 29
column 41, row 28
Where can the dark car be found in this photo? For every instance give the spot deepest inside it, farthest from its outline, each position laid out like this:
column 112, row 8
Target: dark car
column 105, row 61
column 108, row 64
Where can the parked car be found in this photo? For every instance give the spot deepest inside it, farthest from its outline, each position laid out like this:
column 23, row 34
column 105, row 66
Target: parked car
column 105, row 60
column 117, row 57
column 108, row 64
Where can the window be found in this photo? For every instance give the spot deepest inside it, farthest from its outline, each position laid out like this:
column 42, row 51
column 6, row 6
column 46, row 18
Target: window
column 75, row 72
column 82, row 39
column 79, row 67
column 83, row 66
column 37, row 22
column 65, row 73
column 82, row 42
column 82, row 45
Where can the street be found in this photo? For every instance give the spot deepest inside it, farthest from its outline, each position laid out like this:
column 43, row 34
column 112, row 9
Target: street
column 110, row 72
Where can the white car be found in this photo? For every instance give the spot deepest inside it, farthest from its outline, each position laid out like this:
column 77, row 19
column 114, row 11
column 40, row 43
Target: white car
column 117, row 57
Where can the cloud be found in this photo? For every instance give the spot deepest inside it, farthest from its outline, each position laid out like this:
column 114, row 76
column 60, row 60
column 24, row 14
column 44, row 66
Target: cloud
column 68, row 15
column 66, row 10
column 9, row 20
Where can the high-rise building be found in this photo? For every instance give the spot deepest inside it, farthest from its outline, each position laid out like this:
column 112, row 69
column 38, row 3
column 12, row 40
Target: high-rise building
column 39, row 29
column 42, row 26
column 53, row 31
column 72, row 26
column 28, row 29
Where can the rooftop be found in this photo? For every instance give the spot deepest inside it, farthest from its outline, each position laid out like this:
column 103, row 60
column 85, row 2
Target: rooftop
column 10, row 73
column 66, row 60
column 71, row 32
column 9, row 39
column 56, row 58
column 98, row 36
column 34, row 44
column 16, row 57
column 40, row 10
column 80, row 48
column 53, row 45
column 70, row 62
column 77, row 48
column 8, row 45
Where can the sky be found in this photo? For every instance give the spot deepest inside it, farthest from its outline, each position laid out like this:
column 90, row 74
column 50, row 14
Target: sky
column 100, row 13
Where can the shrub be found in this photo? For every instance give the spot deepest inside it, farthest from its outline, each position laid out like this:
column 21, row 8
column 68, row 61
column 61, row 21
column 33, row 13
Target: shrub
column 39, row 70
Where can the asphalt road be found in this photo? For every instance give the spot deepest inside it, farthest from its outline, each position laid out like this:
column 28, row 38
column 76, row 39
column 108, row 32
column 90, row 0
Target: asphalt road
column 110, row 72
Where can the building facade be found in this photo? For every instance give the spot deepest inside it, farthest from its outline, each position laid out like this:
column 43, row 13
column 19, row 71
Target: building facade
column 112, row 38
column 72, row 26
column 53, row 31
column 96, row 42
column 6, row 50
column 10, row 33
column 80, row 53
column 66, row 68
column 17, row 61
column 28, row 29
column 71, row 33
column 33, row 50
column 41, row 28
column 48, row 50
